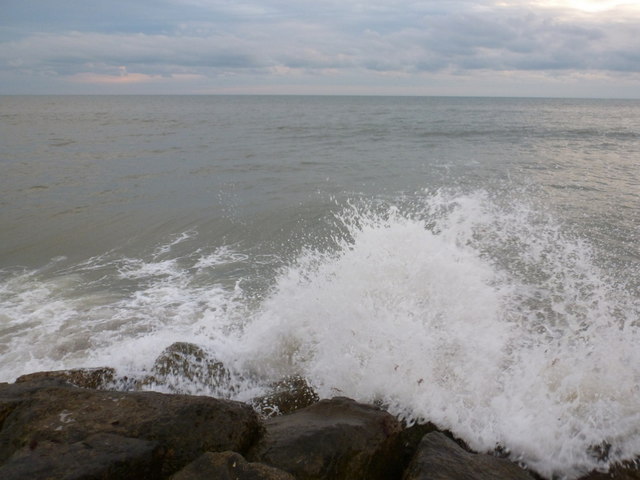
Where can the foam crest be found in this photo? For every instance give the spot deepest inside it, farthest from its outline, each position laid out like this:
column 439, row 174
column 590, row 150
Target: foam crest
column 484, row 318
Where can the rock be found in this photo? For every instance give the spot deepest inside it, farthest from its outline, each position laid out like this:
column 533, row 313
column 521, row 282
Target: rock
column 96, row 378
column 183, row 427
column 228, row 466
column 333, row 439
column 100, row 456
column 182, row 361
column 408, row 440
column 288, row 395
column 621, row 471
column 440, row 458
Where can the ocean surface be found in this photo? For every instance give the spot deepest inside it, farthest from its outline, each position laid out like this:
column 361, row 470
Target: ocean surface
column 474, row 262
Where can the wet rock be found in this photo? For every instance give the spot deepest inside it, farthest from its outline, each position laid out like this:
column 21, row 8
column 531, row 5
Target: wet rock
column 229, row 466
column 288, row 395
column 100, row 456
column 333, row 439
column 184, row 427
column 622, row 471
column 440, row 458
column 407, row 443
column 184, row 362
column 96, row 378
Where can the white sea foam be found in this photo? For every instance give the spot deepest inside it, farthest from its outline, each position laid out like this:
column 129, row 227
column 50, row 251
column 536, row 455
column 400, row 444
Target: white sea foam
column 482, row 316
column 113, row 311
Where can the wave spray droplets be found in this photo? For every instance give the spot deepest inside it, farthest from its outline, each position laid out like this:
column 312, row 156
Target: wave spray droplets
column 480, row 314
column 482, row 318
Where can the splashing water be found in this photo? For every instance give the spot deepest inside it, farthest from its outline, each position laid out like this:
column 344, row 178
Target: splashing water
column 481, row 315
column 484, row 319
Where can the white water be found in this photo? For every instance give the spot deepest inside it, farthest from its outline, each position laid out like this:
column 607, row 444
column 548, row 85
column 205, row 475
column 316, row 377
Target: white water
column 483, row 317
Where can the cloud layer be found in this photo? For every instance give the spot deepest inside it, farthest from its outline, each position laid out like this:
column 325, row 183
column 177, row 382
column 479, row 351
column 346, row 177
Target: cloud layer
column 347, row 46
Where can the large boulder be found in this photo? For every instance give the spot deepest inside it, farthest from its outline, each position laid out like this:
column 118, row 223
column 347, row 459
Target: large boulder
column 184, row 364
column 100, row 456
column 408, row 440
column 36, row 416
column 335, row 439
column 229, row 466
column 440, row 458
column 286, row 396
column 96, row 378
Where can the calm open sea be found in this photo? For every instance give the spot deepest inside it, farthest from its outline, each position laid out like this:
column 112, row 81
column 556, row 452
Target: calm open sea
column 470, row 261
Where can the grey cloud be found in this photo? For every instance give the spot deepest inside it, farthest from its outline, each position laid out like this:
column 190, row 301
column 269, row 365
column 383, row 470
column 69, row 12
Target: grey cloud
column 492, row 40
column 75, row 52
column 623, row 61
column 211, row 37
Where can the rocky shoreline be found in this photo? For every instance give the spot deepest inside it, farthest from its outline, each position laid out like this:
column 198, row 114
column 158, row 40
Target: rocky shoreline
column 66, row 425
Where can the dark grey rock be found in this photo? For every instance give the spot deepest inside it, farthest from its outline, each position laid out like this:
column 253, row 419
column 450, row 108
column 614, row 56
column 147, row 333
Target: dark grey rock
column 407, row 443
column 96, row 378
column 183, row 426
column 622, row 471
column 286, row 396
column 229, row 466
column 335, row 439
column 100, row 456
column 440, row 458
column 182, row 361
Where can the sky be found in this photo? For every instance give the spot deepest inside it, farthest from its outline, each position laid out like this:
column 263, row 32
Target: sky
column 550, row 48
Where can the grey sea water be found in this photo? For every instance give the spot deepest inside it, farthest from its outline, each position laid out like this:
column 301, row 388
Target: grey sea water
column 489, row 247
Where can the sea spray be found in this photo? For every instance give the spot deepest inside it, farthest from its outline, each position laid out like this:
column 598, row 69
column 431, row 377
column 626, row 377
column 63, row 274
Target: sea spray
column 487, row 319
column 116, row 310
column 482, row 314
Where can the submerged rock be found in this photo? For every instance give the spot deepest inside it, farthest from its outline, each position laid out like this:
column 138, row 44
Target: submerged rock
column 337, row 439
column 229, row 465
column 50, row 422
column 440, row 458
column 96, row 378
column 184, row 362
column 287, row 395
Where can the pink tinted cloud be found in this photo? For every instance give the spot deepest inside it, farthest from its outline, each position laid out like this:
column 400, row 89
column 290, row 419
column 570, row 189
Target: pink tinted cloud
column 126, row 78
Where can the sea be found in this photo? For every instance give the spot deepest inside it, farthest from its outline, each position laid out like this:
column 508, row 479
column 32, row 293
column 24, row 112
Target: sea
column 473, row 262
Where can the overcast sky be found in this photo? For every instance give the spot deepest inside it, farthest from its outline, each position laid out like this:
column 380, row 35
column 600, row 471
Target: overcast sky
column 583, row 48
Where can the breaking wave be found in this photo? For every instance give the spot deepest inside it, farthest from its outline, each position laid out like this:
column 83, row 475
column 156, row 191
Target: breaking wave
column 482, row 315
